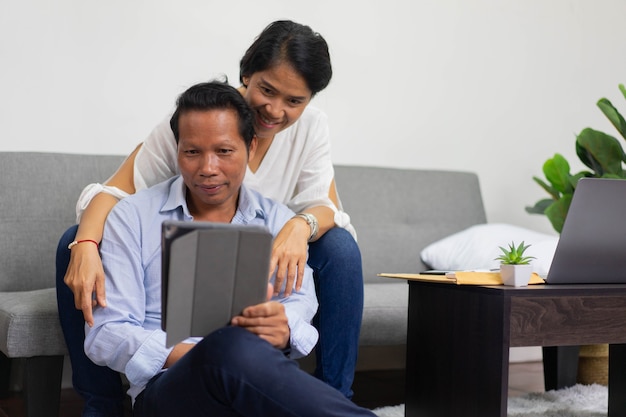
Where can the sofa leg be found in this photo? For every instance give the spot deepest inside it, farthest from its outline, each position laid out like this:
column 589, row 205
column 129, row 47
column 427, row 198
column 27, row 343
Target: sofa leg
column 42, row 385
column 5, row 375
column 560, row 366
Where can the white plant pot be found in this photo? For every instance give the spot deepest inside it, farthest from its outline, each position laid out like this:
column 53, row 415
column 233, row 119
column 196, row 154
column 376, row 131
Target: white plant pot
column 516, row 275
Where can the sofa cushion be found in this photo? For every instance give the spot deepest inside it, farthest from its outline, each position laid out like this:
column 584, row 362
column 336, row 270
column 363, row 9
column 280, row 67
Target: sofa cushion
column 29, row 324
column 35, row 213
column 385, row 313
column 398, row 212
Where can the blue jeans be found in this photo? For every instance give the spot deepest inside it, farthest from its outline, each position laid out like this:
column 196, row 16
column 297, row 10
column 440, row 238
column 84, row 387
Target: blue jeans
column 337, row 270
column 336, row 262
column 233, row 372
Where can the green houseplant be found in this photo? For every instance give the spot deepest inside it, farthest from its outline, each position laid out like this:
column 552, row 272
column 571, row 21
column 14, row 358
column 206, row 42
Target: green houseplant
column 604, row 156
column 600, row 152
column 515, row 268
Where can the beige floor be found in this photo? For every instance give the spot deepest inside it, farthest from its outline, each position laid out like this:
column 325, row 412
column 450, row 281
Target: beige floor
column 372, row 390
column 525, row 378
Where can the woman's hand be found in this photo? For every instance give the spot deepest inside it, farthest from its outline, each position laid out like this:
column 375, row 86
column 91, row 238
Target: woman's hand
column 289, row 254
column 268, row 321
column 85, row 276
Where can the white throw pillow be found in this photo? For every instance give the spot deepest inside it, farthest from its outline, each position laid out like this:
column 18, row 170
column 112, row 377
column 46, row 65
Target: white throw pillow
column 478, row 246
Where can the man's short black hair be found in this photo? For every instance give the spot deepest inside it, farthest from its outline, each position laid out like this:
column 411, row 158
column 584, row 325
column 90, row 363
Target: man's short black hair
column 215, row 95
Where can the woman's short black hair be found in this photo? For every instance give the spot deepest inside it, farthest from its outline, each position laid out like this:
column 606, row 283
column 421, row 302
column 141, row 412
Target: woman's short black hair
column 215, row 95
column 292, row 43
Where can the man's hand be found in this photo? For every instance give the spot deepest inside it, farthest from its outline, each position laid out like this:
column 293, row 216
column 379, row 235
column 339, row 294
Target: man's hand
column 268, row 321
column 289, row 255
column 85, row 276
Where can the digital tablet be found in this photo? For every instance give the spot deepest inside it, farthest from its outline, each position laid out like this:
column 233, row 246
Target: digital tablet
column 210, row 273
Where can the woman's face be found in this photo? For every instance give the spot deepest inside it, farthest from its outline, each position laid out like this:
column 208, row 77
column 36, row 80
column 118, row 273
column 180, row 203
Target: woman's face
column 278, row 97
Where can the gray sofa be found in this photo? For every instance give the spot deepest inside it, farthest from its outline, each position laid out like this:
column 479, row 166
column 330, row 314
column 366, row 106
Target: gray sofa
column 396, row 212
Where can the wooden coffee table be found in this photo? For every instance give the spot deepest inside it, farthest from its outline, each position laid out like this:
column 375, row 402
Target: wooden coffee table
column 459, row 338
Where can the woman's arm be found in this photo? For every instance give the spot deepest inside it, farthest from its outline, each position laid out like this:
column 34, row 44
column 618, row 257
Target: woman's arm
column 325, row 215
column 84, row 275
column 290, row 248
column 314, row 192
column 92, row 219
column 150, row 163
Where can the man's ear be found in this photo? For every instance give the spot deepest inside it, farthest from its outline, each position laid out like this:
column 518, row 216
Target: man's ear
column 252, row 148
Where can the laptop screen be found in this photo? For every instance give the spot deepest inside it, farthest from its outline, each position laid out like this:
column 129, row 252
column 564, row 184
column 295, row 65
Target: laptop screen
column 592, row 245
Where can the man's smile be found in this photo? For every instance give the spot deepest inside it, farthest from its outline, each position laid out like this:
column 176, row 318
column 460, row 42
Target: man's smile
column 210, row 188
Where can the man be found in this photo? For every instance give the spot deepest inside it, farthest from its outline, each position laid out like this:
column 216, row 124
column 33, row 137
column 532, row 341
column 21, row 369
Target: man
column 239, row 370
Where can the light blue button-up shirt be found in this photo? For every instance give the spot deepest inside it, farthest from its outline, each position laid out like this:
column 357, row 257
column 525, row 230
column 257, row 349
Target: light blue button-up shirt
column 127, row 335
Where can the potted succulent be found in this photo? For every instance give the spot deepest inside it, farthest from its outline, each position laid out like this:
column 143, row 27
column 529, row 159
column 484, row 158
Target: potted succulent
column 515, row 267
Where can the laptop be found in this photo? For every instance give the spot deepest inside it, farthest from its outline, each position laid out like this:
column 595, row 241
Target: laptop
column 592, row 246
column 210, row 272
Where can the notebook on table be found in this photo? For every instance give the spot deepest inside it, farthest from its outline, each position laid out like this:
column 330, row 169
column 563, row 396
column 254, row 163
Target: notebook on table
column 592, row 246
column 210, row 273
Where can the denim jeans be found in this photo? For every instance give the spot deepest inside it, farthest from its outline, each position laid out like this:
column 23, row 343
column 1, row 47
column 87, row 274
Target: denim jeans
column 338, row 274
column 336, row 261
column 233, row 372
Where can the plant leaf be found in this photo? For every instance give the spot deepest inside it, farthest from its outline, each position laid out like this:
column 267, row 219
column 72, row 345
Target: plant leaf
column 540, row 206
column 514, row 255
column 557, row 173
column 557, row 212
column 582, row 174
column 613, row 115
column 548, row 188
column 600, row 152
column 613, row 176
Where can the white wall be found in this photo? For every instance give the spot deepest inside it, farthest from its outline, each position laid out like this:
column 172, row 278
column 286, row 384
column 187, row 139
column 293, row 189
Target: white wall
column 490, row 86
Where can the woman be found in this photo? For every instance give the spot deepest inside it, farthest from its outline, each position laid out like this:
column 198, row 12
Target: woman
column 280, row 73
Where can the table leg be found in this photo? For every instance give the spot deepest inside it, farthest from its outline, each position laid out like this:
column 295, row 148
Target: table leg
column 457, row 352
column 560, row 366
column 617, row 380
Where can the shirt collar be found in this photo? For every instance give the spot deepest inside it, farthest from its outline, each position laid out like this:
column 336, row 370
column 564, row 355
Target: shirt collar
column 249, row 207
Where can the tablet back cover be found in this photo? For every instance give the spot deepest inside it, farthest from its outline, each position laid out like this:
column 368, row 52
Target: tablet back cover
column 212, row 275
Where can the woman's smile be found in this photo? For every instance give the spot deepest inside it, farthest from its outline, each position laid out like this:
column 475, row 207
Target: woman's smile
column 265, row 122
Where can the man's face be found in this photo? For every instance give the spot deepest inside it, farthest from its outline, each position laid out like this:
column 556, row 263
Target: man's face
column 212, row 158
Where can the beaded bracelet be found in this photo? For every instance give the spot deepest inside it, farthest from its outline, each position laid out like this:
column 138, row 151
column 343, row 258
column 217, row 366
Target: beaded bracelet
column 76, row 242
